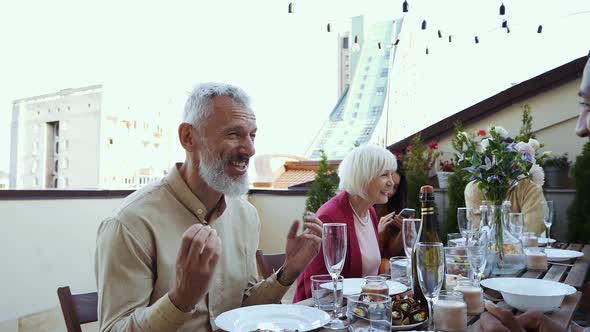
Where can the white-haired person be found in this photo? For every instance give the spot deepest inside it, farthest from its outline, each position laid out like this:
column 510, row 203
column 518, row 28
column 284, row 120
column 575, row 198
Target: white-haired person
column 174, row 242
column 366, row 178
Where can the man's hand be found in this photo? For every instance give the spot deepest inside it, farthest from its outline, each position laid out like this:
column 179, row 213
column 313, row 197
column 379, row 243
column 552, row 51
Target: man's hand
column 537, row 321
column 501, row 320
column 301, row 249
column 195, row 263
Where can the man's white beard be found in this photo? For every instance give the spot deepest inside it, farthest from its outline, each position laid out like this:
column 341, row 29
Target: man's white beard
column 212, row 171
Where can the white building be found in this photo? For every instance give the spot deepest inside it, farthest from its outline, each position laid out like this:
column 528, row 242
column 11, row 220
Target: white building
column 68, row 140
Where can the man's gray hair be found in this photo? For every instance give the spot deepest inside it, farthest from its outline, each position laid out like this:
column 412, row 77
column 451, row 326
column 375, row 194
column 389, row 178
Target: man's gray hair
column 198, row 105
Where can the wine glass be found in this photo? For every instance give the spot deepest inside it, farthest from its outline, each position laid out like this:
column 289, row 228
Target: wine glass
column 465, row 217
column 411, row 228
column 334, row 240
column 477, row 253
column 548, row 220
column 516, row 224
column 431, row 271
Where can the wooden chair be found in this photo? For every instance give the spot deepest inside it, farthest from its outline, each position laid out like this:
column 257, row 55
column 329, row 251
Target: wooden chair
column 267, row 264
column 78, row 308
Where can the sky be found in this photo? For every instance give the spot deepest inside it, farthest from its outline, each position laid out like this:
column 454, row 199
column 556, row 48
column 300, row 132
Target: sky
column 286, row 62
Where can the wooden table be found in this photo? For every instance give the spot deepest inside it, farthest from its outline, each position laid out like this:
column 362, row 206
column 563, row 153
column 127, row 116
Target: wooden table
column 571, row 275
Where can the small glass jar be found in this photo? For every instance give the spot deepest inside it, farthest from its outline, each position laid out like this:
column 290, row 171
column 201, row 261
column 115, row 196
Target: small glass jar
column 536, row 259
column 375, row 285
column 449, row 312
column 529, row 239
column 472, row 295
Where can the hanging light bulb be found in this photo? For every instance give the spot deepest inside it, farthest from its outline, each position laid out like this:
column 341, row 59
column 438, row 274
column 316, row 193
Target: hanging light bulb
column 405, row 6
column 329, row 27
column 450, row 39
column 424, row 25
column 502, row 9
column 507, row 30
column 439, row 34
column 476, row 40
column 504, row 24
column 427, row 51
column 291, row 8
column 540, row 29
column 356, row 47
column 396, row 42
column 379, row 45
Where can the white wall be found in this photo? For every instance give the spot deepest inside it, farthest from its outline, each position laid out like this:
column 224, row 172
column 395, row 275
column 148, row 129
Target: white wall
column 45, row 244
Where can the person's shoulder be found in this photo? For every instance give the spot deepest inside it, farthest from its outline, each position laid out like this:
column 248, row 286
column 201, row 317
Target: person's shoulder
column 334, row 207
column 241, row 205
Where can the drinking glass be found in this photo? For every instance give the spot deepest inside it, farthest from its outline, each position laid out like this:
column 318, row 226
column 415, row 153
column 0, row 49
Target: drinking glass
column 411, row 228
column 548, row 220
column 516, row 224
column 450, row 312
column 322, row 292
column 431, row 271
column 465, row 217
column 369, row 312
column 398, row 269
column 334, row 240
column 477, row 253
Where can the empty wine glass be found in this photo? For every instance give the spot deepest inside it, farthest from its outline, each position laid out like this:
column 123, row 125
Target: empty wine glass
column 516, row 223
column 431, row 271
column 411, row 228
column 334, row 240
column 548, row 220
column 477, row 253
column 465, row 217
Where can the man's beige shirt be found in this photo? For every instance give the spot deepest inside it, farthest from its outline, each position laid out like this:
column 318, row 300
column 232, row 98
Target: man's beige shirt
column 526, row 197
column 136, row 252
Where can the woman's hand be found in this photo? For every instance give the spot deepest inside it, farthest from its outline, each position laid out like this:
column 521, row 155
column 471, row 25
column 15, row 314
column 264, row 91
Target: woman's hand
column 385, row 221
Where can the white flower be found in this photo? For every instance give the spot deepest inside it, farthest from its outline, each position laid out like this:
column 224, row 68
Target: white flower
column 499, row 130
column 523, row 147
column 547, row 154
column 534, row 143
column 461, row 134
column 537, row 175
column 485, row 143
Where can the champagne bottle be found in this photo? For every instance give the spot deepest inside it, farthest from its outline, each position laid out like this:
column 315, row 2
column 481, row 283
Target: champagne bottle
column 428, row 233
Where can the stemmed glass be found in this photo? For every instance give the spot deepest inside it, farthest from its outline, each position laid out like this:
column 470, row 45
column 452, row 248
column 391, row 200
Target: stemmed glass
column 410, row 232
column 477, row 253
column 431, row 271
column 548, row 220
column 465, row 217
column 334, row 246
column 516, row 224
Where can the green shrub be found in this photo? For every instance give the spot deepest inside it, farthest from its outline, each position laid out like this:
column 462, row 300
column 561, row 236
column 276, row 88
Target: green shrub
column 323, row 187
column 578, row 212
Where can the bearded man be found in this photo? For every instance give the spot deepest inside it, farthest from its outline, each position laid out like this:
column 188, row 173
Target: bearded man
column 174, row 242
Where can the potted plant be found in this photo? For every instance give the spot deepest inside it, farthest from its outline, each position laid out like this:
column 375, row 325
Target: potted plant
column 446, row 169
column 556, row 171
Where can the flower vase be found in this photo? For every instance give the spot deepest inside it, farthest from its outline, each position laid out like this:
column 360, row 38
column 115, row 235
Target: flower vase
column 507, row 255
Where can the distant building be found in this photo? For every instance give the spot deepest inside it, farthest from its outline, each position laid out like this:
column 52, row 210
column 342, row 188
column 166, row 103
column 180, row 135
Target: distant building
column 365, row 58
column 4, row 181
column 67, row 140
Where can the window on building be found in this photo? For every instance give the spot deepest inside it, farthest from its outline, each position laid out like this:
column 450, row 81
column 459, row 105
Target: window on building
column 55, row 182
column 344, row 43
column 362, row 86
column 359, row 96
column 380, row 91
column 369, row 59
column 34, row 167
column 367, row 68
column 36, row 128
column 66, row 163
column 354, row 115
column 68, row 108
column 376, row 109
column 364, row 77
column 66, row 182
column 65, row 125
column 88, row 105
column 35, row 148
column 56, row 147
column 110, row 141
column 384, row 72
column 36, row 181
column 67, row 144
column 56, row 166
column 357, row 105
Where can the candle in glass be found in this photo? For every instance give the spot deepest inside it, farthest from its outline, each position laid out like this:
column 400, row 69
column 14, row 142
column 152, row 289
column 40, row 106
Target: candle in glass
column 450, row 312
column 472, row 295
column 536, row 259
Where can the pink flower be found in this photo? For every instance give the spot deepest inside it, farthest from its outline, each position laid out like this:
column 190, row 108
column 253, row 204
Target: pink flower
column 398, row 155
column 408, row 148
column 433, row 145
column 481, row 132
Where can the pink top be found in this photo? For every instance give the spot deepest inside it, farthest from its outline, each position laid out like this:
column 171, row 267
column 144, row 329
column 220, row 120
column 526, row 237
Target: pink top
column 371, row 256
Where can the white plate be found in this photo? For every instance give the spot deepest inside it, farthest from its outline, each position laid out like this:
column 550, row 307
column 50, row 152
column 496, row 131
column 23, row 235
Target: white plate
column 274, row 317
column 530, row 294
column 543, row 240
column 353, row 286
column 405, row 327
column 558, row 255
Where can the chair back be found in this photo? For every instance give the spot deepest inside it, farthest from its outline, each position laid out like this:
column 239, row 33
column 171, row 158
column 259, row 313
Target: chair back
column 267, row 264
column 78, row 308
